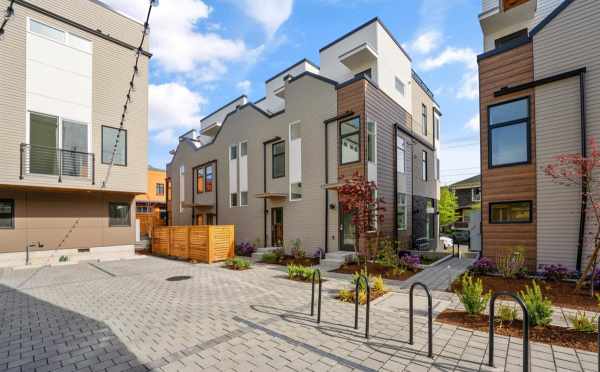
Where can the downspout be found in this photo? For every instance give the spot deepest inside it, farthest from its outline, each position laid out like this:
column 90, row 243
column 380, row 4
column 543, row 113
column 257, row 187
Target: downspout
column 216, row 193
column 395, row 177
column 326, row 190
column 584, row 154
column 265, row 212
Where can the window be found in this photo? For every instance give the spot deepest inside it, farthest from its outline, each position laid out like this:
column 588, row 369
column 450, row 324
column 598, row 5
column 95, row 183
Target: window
column 208, row 185
column 244, row 149
column 366, row 73
column 47, row 31
column 424, row 166
column 509, row 133
column 109, row 138
column 510, row 212
column 142, row 209
column 401, row 213
column 118, row 214
column 400, row 155
column 200, row 181
column 181, row 187
column 436, row 125
column 371, row 142
column 508, row 39
column 233, row 199
column 211, row 219
column 399, row 86
column 233, row 152
column 476, row 194
column 437, row 169
column 169, row 190
column 160, row 189
column 350, row 141
column 295, row 131
column 278, row 158
column 7, row 214
column 424, row 120
column 296, row 191
column 244, row 198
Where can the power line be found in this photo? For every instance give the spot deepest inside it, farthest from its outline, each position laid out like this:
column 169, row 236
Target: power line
column 138, row 53
column 10, row 11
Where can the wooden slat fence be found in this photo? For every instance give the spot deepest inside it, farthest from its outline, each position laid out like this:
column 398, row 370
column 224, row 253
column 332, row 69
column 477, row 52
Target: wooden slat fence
column 148, row 221
column 200, row 243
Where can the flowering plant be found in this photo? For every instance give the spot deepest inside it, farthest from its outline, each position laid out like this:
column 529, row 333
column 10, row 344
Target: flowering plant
column 555, row 272
column 245, row 249
column 483, row 266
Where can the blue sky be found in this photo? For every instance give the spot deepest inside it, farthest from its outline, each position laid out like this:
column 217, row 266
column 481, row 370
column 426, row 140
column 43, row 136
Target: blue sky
column 207, row 52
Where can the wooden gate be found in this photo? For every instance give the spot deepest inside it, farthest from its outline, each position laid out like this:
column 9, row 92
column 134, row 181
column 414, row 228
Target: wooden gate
column 200, row 243
column 148, row 221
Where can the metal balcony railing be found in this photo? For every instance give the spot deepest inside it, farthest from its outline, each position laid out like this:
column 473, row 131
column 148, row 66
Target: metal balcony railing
column 42, row 160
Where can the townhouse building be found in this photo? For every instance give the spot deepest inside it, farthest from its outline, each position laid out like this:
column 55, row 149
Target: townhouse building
column 468, row 196
column 272, row 167
column 66, row 68
column 539, row 97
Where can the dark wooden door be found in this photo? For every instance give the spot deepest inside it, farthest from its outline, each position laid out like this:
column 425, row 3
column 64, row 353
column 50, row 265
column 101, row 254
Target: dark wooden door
column 276, row 227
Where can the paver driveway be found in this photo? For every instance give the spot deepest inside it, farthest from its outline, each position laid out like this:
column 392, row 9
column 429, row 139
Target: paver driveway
column 125, row 315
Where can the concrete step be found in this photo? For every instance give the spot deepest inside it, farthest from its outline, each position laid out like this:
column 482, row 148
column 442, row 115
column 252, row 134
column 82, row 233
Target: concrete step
column 260, row 252
column 334, row 260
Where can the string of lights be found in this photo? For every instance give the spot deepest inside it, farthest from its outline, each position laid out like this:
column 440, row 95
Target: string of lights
column 10, row 11
column 128, row 98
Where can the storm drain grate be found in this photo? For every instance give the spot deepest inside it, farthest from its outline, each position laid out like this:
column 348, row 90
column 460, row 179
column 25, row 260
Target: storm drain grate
column 178, row 278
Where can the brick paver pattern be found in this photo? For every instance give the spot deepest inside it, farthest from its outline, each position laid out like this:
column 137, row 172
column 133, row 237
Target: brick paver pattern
column 125, row 316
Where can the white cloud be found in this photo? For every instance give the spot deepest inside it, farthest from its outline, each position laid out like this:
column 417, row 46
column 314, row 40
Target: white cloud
column 245, row 86
column 469, row 86
column 426, row 42
column 473, row 123
column 466, row 56
column 270, row 14
column 173, row 106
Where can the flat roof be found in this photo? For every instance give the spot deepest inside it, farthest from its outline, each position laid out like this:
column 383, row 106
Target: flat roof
column 303, row 60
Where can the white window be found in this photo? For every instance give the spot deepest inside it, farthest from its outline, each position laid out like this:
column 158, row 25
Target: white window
column 436, row 122
column 371, row 142
column 400, row 154
column 63, row 37
column 243, row 172
column 181, row 187
column 400, row 86
column 401, row 213
column 295, row 159
column 233, row 175
column 244, row 199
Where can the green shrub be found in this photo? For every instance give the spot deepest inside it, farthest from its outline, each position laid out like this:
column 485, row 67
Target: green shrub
column 346, row 295
column 538, row 306
column 270, row 257
column 297, row 249
column 506, row 314
column 355, row 277
column 388, row 256
column 297, row 272
column 582, row 323
column 378, row 285
column 511, row 264
column 237, row 263
column 471, row 295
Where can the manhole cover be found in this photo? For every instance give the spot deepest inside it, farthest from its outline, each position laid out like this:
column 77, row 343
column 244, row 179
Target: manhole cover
column 178, row 278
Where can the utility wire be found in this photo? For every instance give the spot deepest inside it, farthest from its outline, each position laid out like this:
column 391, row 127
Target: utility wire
column 10, row 11
column 138, row 54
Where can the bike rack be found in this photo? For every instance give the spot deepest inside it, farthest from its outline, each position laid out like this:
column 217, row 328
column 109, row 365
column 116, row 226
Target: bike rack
column 356, row 291
column 525, row 328
column 429, row 316
column 312, row 301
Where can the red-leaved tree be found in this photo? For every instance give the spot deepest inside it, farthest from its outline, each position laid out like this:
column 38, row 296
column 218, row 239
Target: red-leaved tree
column 576, row 170
column 358, row 197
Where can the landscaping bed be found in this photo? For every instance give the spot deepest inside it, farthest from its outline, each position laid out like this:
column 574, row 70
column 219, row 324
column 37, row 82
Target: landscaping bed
column 561, row 293
column 549, row 334
column 376, row 269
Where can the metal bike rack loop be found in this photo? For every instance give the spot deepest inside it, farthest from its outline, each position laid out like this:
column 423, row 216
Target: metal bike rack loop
column 356, row 292
column 312, row 300
column 525, row 328
column 429, row 316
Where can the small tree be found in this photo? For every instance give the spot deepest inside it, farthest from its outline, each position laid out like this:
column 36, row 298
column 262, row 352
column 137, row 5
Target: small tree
column 358, row 197
column 447, row 207
column 576, row 170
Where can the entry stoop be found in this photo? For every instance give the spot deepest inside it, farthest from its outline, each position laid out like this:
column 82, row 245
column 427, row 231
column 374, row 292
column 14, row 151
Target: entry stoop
column 334, row 260
column 257, row 256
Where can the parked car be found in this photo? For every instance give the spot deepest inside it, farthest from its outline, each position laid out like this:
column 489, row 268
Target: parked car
column 447, row 242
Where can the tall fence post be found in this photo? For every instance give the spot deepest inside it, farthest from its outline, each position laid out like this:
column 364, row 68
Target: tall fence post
column 525, row 328
column 356, row 295
column 429, row 316
column 312, row 301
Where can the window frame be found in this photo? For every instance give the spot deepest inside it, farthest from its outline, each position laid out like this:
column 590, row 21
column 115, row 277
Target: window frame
column 102, row 146
column 424, row 166
column 340, row 137
column 403, row 149
column 473, row 194
column 404, row 207
column 237, row 201
column 233, row 149
column 301, row 189
column 200, row 174
column 158, row 188
column 273, row 156
column 398, row 83
column 374, row 147
column 490, row 128
column 530, row 205
column 110, row 224
column 243, row 145
column 424, row 119
column 12, row 214
column 241, row 199
column 212, row 177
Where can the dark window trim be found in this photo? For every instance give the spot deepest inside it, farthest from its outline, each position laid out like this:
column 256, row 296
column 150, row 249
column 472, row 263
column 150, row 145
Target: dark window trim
column 102, row 146
column 212, row 177
column 110, row 224
column 197, row 171
column 360, row 155
column 508, row 123
column 424, row 118
column 273, row 159
column 12, row 216
column 510, row 38
column 425, row 166
column 529, row 202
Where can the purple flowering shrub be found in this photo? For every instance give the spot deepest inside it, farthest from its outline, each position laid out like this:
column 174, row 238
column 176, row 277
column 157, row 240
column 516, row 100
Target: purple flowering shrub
column 555, row 273
column 410, row 262
column 245, row 249
column 483, row 266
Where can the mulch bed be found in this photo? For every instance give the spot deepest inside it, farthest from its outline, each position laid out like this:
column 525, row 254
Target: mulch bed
column 561, row 294
column 374, row 269
column 552, row 335
column 374, row 295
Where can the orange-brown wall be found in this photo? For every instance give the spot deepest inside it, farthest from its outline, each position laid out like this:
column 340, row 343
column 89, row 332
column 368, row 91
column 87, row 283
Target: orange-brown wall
column 510, row 183
column 154, row 177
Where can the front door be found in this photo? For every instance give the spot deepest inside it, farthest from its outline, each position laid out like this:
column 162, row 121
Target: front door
column 276, row 227
column 347, row 233
column 43, row 137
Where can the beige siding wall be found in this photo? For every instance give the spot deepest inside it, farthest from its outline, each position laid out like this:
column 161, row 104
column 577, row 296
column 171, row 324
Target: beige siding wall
column 112, row 67
column 302, row 219
column 570, row 41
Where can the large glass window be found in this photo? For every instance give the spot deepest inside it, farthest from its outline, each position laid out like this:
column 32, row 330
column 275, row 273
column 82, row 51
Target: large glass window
column 424, row 166
column 509, row 133
column 401, row 213
column 118, row 214
column 296, row 191
column 208, row 185
column 160, row 189
column 7, row 214
column 400, row 154
column 371, row 142
column 244, row 198
column 200, row 181
column 233, row 152
column 75, row 161
column 233, row 199
column 350, row 141
column 424, row 120
column 109, row 138
column 510, row 212
column 244, row 149
column 47, row 31
column 278, row 158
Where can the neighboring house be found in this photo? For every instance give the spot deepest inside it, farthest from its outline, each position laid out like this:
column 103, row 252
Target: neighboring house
column 272, row 167
column 468, row 195
column 539, row 97
column 154, row 200
column 66, row 68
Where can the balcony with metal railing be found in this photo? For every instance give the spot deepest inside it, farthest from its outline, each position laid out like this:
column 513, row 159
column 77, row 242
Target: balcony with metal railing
column 63, row 164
